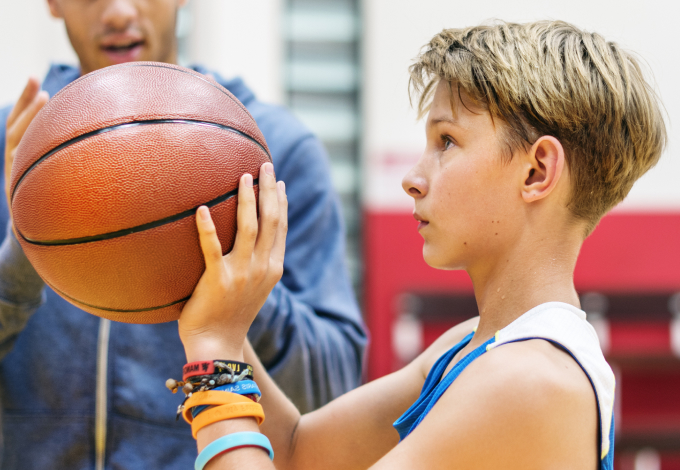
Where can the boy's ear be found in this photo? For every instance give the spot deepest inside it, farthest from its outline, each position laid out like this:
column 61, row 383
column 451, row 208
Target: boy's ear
column 543, row 167
column 55, row 8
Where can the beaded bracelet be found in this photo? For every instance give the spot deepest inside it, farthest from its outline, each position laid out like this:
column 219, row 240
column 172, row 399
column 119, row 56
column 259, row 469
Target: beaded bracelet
column 217, row 366
column 216, row 373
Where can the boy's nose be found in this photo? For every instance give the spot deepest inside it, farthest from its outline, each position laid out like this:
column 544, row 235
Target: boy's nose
column 414, row 184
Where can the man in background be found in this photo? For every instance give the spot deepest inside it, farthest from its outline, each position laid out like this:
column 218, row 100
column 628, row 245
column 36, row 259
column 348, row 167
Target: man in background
column 79, row 392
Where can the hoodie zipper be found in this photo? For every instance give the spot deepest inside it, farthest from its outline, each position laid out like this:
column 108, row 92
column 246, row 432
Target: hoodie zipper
column 101, row 393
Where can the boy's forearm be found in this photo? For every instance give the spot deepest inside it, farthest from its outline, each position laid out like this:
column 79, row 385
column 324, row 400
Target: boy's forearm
column 281, row 416
column 350, row 433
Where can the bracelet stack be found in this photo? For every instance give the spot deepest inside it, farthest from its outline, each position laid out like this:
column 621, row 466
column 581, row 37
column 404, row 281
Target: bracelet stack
column 216, row 391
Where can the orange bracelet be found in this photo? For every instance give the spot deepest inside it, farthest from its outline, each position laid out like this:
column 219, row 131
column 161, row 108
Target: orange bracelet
column 224, row 412
column 211, row 398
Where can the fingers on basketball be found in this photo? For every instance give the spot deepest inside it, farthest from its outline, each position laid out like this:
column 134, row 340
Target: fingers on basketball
column 210, row 244
column 246, row 222
column 269, row 212
column 279, row 248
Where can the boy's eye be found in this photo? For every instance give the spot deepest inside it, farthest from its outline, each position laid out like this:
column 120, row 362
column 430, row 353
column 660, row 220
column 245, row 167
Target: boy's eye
column 448, row 142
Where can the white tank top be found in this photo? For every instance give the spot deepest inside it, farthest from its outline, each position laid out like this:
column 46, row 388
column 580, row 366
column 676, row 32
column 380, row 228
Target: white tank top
column 566, row 326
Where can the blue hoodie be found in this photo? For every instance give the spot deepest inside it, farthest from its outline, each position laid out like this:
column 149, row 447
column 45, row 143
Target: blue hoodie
column 78, row 392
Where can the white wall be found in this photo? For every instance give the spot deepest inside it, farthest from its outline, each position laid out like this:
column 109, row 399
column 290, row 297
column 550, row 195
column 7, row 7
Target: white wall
column 230, row 36
column 236, row 37
column 396, row 29
column 29, row 40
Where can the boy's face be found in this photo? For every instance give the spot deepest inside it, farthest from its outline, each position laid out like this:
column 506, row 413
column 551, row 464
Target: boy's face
column 108, row 32
column 467, row 196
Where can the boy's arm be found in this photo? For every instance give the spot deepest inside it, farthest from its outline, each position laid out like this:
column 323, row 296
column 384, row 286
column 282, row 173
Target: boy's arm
column 529, row 407
column 351, row 432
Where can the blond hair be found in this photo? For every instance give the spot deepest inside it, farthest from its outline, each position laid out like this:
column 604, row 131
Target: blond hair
column 551, row 78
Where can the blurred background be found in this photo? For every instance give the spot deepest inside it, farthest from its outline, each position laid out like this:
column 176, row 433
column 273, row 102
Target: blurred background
column 341, row 66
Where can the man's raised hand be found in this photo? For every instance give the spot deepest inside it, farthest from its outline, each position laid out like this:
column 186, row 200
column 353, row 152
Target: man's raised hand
column 30, row 102
column 216, row 319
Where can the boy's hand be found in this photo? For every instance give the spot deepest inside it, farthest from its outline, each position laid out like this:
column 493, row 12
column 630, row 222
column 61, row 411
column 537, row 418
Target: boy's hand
column 216, row 319
column 30, row 102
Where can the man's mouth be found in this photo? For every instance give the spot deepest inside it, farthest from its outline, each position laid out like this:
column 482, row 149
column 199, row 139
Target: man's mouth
column 124, row 48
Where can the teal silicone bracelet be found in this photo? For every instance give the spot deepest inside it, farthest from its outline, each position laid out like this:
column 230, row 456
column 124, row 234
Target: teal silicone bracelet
column 225, row 443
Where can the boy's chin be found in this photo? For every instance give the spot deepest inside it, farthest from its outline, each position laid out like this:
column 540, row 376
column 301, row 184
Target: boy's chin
column 437, row 259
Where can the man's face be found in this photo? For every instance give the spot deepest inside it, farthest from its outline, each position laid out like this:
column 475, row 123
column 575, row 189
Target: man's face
column 467, row 197
column 109, row 32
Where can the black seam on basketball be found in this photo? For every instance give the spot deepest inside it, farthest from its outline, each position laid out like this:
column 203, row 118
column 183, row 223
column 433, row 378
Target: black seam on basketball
column 125, row 125
column 116, row 309
column 198, row 75
column 135, row 229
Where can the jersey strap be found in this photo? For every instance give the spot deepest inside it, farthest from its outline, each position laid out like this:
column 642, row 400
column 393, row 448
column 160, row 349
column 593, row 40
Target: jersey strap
column 435, row 386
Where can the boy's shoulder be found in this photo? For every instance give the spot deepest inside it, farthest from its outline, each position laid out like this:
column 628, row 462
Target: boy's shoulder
column 536, row 393
column 527, row 402
column 535, row 369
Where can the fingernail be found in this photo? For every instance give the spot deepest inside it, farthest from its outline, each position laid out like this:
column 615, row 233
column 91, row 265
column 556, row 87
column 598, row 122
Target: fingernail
column 248, row 180
column 204, row 213
column 269, row 168
column 282, row 188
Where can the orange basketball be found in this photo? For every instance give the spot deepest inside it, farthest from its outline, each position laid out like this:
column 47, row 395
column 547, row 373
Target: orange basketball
column 108, row 177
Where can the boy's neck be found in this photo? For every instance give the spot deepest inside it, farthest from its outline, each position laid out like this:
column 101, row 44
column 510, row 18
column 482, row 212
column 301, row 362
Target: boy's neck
column 537, row 270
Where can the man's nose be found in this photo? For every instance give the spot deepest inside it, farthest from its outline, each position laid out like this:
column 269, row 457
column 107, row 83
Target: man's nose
column 118, row 14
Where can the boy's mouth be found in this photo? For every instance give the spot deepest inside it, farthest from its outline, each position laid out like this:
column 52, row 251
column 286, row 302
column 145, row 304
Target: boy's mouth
column 421, row 222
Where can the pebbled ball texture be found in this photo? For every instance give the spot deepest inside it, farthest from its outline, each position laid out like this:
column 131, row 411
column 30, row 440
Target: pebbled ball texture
column 107, row 179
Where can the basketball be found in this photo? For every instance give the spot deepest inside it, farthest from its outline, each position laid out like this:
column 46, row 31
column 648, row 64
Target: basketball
column 108, row 177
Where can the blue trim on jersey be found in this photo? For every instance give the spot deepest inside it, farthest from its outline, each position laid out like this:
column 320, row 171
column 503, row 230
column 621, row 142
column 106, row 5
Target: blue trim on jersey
column 607, row 463
column 435, row 387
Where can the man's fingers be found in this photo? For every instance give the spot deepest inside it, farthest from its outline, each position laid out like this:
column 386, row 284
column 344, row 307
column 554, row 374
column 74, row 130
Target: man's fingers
column 246, row 220
column 279, row 248
column 210, row 244
column 30, row 90
column 269, row 212
column 17, row 129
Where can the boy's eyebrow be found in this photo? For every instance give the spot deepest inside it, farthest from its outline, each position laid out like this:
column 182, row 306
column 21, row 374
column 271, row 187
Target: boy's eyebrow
column 448, row 119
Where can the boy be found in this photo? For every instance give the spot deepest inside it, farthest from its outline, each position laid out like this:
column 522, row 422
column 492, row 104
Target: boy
column 534, row 132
